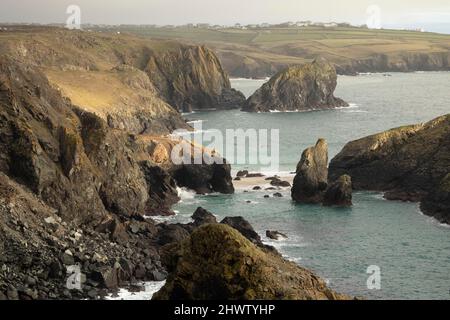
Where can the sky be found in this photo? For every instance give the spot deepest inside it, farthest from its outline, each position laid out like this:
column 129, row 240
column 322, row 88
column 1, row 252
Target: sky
column 432, row 15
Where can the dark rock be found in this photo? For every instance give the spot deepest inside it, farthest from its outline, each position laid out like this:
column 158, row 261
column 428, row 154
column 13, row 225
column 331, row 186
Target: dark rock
column 311, row 179
column 202, row 216
column 244, row 227
column 256, row 188
column 171, row 233
column 275, row 235
column 237, row 179
column 67, row 258
column 305, row 87
column 158, row 276
column 162, row 190
column 277, row 195
column 279, row 183
column 242, row 173
column 339, row 193
column 218, row 263
column 204, row 178
column 107, row 276
column 266, row 196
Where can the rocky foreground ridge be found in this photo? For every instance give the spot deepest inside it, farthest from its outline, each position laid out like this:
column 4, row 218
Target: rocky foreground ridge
column 218, row 262
column 409, row 163
column 298, row 88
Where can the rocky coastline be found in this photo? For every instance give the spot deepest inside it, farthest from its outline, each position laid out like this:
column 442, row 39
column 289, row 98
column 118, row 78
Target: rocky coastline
column 409, row 163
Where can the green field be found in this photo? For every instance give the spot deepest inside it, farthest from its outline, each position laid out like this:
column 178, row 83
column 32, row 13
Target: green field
column 263, row 51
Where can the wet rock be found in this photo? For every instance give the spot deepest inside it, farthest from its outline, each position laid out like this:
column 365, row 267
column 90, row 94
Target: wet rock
column 242, row 173
column 277, row 195
column 275, row 235
column 279, row 183
column 256, row 188
column 244, row 227
column 339, row 193
column 202, row 216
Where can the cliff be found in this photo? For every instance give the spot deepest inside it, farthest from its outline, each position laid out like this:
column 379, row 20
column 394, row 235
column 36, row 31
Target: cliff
column 217, row 262
column 299, row 88
column 76, row 180
column 408, row 163
column 131, row 82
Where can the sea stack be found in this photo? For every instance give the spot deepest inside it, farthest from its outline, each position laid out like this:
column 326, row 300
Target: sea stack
column 298, row 88
column 311, row 183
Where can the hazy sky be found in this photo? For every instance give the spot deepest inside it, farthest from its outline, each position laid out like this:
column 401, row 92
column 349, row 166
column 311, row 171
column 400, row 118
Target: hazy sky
column 394, row 13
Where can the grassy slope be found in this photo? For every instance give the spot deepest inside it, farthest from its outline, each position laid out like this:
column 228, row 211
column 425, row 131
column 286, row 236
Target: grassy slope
column 296, row 45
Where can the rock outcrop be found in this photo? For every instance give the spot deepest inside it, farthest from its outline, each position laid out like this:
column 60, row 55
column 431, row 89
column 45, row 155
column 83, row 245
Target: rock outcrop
column 311, row 184
column 408, row 163
column 132, row 83
column 311, row 179
column 298, row 88
column 200, row 84
column 339, row 193
column 217, row 262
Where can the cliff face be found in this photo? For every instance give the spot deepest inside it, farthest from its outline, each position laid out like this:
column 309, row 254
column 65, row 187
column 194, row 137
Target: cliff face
column 404, row 62
column 217, row 262
column 200, row 84
column 306, row 87
column 409, row 163
column 132, row 83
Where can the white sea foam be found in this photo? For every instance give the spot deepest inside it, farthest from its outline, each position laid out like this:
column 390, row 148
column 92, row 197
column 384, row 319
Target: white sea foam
column 149, row 289
column 185, row 194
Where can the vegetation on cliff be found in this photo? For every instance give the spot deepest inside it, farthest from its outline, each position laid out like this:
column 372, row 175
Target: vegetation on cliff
column 217, row 262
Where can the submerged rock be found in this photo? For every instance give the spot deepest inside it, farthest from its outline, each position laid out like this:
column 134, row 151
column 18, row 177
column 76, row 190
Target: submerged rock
column 311, row 179
column 298, row 88
column 217, row 262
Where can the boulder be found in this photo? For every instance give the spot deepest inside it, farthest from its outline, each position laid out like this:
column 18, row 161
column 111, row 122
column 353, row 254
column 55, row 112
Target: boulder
column 242, row 173
column 298, row 88
column 275, row 235
column 339, row 193
column 218, row 263
column 202, row 216
column 311, row 177
column 244, row 227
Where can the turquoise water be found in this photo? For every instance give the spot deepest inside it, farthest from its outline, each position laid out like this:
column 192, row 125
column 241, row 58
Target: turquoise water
column 412, row 250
